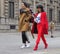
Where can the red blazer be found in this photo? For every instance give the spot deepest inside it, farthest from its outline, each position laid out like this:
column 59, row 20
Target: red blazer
column 42, row 25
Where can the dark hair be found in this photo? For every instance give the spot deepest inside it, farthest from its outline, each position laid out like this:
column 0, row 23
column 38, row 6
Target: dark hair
column 26, row 4
column 40, row 6
column 31, row 11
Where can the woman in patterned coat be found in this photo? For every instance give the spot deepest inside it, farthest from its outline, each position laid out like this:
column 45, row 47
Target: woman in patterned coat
column 25, row 15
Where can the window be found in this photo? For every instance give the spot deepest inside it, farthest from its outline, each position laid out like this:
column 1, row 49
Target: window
column 11, row 9
column 50, row 14
column 59, row 17
column 12, row 26
column 59, row 4
column 51, row 1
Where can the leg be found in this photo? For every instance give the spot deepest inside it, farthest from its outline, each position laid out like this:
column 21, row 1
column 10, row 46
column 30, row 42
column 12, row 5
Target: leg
column 23, row 37
column 51, row 33
column 44, row 40
column 23, row 40
column 38, row 39
column 26, row 38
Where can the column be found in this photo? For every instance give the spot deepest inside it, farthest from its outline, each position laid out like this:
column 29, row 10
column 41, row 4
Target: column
column 20, row 4
column 2, row 19
column 16, row 9
column 46, row 5
column 56, row 12
column 2, row 8
column 34, row 6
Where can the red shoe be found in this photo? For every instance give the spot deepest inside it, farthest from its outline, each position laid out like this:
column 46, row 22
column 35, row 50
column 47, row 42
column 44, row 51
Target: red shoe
column 46, row 46
column 35, row 48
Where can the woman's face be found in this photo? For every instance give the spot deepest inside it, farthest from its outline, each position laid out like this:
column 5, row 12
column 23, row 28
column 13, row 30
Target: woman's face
column 23, row 6
column 39, row 10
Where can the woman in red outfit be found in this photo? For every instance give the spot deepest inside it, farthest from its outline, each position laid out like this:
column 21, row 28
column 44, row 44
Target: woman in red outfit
column 42, row 26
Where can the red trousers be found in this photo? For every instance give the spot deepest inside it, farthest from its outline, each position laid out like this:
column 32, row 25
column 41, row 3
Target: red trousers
column 40, row 35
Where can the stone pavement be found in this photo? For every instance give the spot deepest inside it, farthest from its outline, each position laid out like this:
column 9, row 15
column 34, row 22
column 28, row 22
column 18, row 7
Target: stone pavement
column 10, row 44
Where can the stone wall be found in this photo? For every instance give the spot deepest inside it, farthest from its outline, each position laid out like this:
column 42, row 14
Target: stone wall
column 11, row 24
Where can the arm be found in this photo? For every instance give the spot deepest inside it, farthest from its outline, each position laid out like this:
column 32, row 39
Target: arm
column 22, row 17
column 29, row 15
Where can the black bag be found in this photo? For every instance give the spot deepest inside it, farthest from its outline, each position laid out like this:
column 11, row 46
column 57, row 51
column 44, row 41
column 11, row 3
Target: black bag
column 35, row 28
column 31, row 19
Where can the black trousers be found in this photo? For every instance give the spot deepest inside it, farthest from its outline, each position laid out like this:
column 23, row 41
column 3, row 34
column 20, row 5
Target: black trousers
column 24, row 37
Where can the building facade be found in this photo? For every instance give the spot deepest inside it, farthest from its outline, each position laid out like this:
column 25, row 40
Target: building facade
column 9, row 12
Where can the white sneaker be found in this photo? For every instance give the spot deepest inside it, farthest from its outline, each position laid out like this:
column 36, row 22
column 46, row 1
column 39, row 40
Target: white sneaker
column 23, row 46
column 28, row 45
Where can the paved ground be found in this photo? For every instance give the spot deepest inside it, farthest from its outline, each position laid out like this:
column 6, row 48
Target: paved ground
column 10, row 44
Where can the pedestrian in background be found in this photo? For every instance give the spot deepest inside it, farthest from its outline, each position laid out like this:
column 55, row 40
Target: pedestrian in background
column 25, row 15
column 52, row 28
column 42, row 26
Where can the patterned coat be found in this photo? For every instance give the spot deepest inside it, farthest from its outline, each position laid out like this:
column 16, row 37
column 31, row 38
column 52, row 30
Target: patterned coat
column 24, row 20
